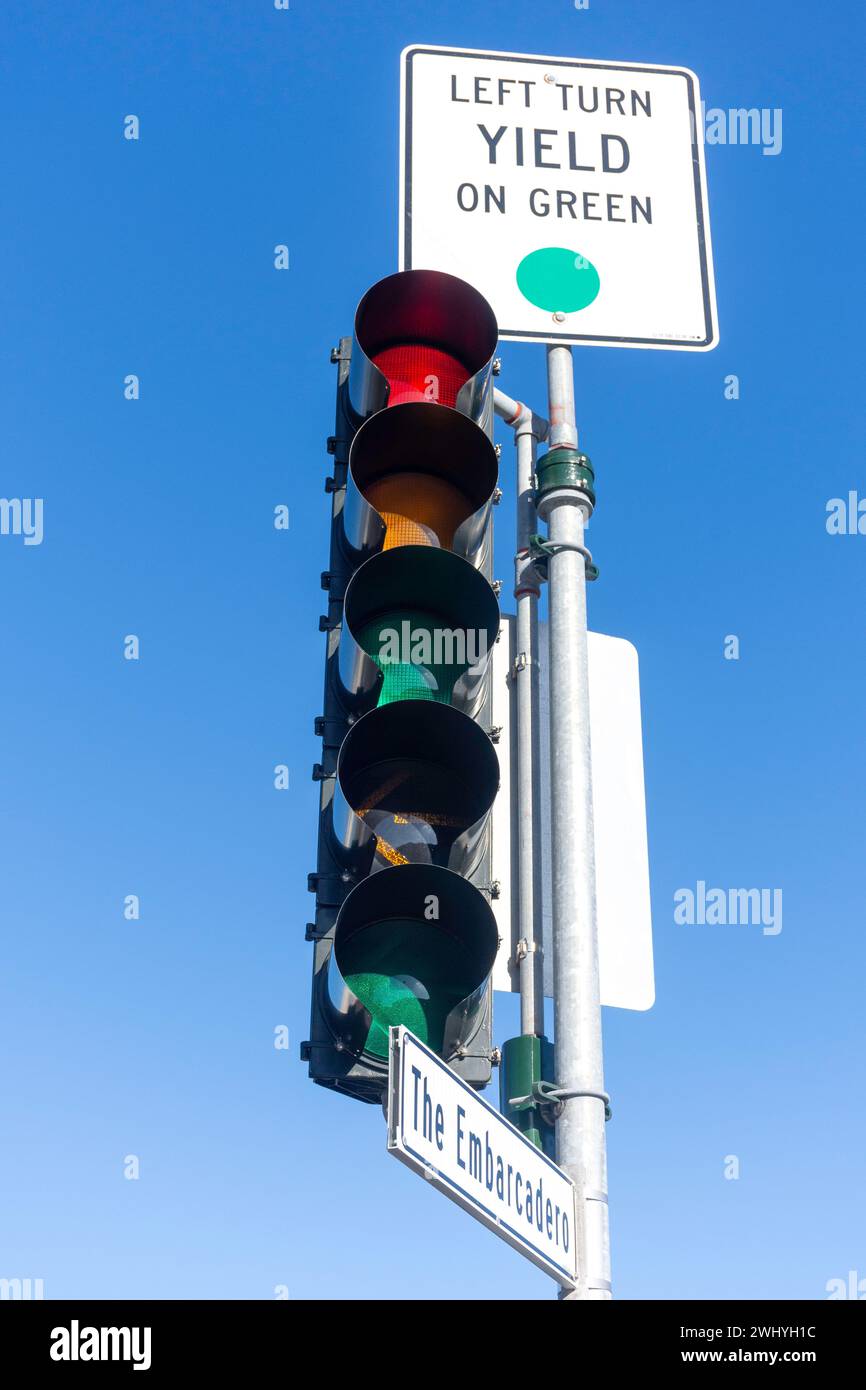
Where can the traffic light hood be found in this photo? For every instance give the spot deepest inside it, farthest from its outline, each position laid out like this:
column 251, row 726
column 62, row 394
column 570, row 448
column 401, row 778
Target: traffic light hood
column 419, row 474
column 415, row 784
column 417, row 623
column 413, row 945
column 426, row 336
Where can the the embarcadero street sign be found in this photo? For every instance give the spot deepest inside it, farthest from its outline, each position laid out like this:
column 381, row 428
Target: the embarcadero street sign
column 442, row 1129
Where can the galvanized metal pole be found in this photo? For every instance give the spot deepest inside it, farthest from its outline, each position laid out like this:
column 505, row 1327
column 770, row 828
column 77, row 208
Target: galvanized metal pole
column 580, row 1132
column 527, row 591
column 528, row 428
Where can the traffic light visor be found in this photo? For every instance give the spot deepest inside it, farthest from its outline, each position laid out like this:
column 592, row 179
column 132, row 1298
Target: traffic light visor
column 413, row 946
column 419, row 475
column 421, row 777
column 427, row 620
column 422, row 335
column 428, row 334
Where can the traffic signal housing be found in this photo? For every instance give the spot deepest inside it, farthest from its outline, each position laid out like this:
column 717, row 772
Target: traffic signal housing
column 404, row 931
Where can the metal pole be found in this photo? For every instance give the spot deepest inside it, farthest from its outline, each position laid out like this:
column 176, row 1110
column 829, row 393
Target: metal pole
column 515, row 412
column 580, row 1136
column 527, row 591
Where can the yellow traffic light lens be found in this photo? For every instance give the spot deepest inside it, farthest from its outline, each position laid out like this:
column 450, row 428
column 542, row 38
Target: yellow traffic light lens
column 399, row 530
column 418, row 509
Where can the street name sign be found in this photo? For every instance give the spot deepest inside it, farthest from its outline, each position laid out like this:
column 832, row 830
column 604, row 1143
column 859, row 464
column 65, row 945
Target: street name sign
column 442, row 1129
column 571, row 193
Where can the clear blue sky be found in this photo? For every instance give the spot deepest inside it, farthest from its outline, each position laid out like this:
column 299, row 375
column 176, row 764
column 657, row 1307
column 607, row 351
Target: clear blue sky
column 156, row 1038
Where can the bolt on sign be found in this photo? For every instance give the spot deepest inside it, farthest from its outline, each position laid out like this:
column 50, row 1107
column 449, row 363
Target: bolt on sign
column 571, row 194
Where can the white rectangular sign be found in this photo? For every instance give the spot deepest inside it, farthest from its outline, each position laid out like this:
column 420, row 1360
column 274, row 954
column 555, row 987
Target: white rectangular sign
column 442, row 1129
column 625, row 951
column 571, row 193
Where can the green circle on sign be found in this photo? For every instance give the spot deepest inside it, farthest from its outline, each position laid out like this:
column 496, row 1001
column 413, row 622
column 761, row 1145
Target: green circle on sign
column 559, row 280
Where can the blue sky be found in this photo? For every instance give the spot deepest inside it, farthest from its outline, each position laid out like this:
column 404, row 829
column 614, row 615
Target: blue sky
column 155, row 1038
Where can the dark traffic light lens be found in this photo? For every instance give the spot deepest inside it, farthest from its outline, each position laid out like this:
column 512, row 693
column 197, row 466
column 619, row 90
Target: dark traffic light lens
column 420, row 775
column 416, row 808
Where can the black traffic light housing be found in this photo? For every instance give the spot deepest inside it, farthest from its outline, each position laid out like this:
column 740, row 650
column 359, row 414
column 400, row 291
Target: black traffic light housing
column 403, row 929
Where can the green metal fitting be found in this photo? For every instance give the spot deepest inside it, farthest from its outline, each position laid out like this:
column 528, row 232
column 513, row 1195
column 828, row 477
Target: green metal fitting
column 526, row 1061
column 564, row 468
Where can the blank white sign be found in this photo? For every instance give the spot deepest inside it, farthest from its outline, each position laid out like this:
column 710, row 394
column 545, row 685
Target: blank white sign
column 619, row 804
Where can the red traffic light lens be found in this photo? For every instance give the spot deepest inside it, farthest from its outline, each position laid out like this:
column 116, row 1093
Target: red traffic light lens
column 418, row 372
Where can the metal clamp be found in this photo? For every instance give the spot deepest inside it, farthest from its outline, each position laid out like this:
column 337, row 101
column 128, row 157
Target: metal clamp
column 546, row 1113
column 548, row 1098
column 526, row 948
column 541, row 550
column 551, row 1093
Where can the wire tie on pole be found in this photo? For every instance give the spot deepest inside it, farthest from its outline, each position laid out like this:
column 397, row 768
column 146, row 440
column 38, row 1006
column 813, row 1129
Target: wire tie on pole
column 546, row 1093
column 541, row 550
column 545, row 1097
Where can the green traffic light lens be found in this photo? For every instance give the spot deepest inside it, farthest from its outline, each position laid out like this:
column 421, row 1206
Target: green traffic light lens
column 413, row 946
column 416, row 661
column 406, row 972
column 428, row 620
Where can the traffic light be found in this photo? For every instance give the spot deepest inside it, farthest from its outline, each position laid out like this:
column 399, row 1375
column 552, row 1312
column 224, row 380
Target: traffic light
column 421, row 335
column 404, row 932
